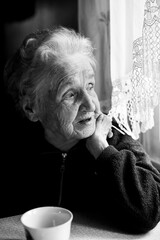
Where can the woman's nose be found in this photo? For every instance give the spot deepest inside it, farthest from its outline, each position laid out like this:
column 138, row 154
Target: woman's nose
column 87, row 103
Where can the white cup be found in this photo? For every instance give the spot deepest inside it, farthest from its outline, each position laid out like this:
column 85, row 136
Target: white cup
column 47, row 223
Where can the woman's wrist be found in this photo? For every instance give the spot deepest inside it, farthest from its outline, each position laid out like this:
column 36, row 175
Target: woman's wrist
column 97, row 146
column 100, row 148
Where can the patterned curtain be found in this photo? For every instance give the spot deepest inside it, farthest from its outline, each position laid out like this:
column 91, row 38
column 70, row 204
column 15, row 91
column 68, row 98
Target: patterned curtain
column 126, row 35
column 135, row 70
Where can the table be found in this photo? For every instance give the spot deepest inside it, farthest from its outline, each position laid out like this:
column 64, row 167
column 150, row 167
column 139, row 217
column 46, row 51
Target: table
column 12, row 229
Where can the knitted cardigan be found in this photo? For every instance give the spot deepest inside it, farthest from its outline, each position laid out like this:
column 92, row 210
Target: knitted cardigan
column 121, row 188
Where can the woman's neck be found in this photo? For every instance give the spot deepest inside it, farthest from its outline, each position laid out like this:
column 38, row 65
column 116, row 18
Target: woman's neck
column 60, row 142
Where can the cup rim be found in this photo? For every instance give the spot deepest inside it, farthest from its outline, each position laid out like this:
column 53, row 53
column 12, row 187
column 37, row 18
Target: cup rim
column 45, row 207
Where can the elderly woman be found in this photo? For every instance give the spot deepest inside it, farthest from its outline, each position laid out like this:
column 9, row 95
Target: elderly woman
column 84, row 164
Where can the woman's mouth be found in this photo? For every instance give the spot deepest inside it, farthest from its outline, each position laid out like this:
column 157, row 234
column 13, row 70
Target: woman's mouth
column 85, row 121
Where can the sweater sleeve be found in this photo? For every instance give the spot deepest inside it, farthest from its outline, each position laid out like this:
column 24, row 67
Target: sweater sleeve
column 134, row 182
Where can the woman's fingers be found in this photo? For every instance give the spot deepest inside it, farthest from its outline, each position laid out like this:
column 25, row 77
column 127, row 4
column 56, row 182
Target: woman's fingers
column 103, row 124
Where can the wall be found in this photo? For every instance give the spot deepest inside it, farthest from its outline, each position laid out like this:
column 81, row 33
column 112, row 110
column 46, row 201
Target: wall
column 40, row 14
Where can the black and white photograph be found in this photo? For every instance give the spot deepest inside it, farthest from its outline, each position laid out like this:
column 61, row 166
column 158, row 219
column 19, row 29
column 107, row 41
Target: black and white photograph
column 80, row 120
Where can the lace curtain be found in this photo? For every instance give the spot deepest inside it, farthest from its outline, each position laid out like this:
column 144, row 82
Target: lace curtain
column 126, row 35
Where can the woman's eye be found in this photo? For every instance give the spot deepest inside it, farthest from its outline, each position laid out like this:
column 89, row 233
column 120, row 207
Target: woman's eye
column 69, row 95
column 90, row 86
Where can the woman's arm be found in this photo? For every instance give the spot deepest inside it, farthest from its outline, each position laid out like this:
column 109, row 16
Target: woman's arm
column 127, row 178
column 135, row 182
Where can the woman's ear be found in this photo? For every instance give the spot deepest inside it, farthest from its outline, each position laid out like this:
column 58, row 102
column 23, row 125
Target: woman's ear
column 30, row 112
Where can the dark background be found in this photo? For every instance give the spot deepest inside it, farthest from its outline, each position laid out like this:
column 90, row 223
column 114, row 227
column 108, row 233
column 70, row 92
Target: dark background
column 20, row 18
column 17, row 133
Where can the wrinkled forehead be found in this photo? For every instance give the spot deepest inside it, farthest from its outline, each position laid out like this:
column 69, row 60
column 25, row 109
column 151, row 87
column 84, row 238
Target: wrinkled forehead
column 75, row 66
column 80, row 63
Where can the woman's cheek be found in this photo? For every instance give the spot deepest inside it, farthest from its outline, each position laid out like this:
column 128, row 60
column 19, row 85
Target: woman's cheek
column 66, row 114
column 70, row 111
column 65, row 124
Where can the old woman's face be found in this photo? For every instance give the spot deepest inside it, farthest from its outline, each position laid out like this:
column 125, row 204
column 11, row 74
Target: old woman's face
column 73, row 106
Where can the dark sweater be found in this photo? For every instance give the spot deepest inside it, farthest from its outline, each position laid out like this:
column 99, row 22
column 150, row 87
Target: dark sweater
column 121, row 187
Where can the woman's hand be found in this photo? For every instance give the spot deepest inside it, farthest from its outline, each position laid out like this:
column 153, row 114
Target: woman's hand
column 98, row 141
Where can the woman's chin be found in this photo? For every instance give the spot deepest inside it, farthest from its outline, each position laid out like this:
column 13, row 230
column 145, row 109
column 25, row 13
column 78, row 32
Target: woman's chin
column 85, row 133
